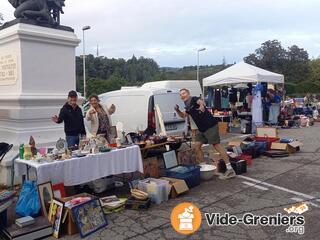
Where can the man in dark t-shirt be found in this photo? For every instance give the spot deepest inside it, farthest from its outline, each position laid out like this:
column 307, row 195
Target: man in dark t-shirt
column 208, row 128
column 71, row 115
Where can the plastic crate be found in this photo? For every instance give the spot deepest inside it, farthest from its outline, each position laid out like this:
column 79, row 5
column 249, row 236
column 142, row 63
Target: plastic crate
column 157, row 189
column 190, row 174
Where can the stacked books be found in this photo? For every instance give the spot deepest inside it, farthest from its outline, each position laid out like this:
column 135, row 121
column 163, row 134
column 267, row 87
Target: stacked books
column 6, row 199
column 6, row 195
column 112, row 204
column 25, row 221
column 40, row 229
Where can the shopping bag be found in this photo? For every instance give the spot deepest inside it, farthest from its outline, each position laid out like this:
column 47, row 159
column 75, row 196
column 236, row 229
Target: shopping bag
column 28, row 203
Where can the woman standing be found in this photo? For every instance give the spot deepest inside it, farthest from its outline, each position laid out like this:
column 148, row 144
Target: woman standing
column 100, row 117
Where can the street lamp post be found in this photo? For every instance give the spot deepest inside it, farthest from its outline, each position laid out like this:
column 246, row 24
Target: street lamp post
column 84, row 60
column 198, row 67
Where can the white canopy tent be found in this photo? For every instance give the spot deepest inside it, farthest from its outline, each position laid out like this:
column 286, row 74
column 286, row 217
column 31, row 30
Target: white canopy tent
column 243, row 73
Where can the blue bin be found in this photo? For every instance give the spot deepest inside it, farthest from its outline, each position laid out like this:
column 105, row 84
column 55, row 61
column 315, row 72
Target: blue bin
column 190, row 174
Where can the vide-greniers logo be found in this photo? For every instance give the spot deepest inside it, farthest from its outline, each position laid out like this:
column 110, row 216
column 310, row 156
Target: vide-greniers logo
column 186, row 218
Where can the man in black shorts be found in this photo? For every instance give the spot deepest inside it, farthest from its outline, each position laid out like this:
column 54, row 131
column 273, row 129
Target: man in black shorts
column 208, row 128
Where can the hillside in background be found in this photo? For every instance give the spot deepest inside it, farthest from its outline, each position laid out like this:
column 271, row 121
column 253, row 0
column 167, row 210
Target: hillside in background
column 302, row 74
column 105, row 74
column 190, row 72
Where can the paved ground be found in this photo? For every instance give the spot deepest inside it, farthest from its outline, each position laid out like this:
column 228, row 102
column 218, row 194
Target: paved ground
column 285, row 181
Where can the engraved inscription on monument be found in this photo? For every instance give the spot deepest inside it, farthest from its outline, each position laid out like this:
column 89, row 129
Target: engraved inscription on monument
column 8, row 69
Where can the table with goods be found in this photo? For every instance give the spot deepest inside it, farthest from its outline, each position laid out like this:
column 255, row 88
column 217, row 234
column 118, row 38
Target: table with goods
column 84, row 213
column 93, row 160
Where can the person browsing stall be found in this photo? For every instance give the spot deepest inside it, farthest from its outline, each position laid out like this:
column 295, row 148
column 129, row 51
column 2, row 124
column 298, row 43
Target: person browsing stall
column 71, row 115
column 99, row 116
column 208, row 128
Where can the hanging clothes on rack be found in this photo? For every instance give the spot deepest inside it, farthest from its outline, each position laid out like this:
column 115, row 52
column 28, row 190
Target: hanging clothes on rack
column 249, row 99
column 274, row 111
column 243, row 95
column 217, row 99
column 224, row 98
column 257, row 118
column 233, row 98
column 264, row 89
column 210, row 97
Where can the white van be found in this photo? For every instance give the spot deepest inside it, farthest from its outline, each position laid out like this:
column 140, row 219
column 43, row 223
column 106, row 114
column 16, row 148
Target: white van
column 135, row 109
column 192, row 85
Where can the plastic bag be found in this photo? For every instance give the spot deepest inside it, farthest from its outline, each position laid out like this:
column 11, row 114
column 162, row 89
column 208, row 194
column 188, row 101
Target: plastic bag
column 28, row 203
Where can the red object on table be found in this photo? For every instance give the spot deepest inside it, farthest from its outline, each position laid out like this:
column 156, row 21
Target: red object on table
column 269, row 140
column 113, row 145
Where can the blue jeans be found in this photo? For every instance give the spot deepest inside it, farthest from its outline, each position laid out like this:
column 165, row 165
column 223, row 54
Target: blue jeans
column 72, row 141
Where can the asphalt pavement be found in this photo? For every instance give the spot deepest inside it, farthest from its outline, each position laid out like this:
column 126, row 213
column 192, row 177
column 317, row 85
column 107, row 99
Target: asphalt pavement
column 269, row 186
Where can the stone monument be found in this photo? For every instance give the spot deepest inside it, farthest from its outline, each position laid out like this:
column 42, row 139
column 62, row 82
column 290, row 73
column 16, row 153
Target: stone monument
column 37, row 69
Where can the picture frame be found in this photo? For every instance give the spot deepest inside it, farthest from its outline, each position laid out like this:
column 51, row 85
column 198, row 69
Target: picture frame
column 109, row 200
column 46, row 195
column 55, row 216
column 129, row 139
column 59, row 191
column 187, row 157
column 113, row 132
column 89, row 217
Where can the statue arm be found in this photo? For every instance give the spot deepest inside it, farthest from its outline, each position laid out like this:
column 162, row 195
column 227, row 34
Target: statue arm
column 14, row 3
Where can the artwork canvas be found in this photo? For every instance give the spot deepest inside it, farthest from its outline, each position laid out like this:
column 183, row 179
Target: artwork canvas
column 89, row 217
column 45, row 196
column 55, row 216
column 58, row 190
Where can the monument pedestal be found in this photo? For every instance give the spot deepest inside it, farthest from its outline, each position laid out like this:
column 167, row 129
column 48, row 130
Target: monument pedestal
column 37, row 69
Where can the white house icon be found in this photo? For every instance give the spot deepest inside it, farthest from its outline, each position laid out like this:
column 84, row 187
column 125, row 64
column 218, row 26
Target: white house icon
column 186, row 219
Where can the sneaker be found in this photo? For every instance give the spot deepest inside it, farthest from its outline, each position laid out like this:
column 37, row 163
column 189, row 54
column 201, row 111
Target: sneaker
column 216, row 173
column 230, row 173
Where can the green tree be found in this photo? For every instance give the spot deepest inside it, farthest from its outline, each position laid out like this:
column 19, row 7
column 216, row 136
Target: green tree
column 271, row 56
column 297, row 68
column 99, row 86
column 315, row 70
column 292, row 62
column 103, row 73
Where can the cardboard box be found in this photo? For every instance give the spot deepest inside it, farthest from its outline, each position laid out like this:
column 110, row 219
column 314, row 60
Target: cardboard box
column 68, row 226
column 151, row 167
column 178, row 186
column 267, row 132
column 288, row 147
column 235, row 143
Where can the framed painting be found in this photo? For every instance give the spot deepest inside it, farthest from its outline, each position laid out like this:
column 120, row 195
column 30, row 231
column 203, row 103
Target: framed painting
column 55, row 216
column 58, row 191
column 89, row 217
column 45, row 195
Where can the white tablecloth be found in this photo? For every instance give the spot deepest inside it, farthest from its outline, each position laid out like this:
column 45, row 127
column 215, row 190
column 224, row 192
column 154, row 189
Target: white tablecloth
column 81, row 170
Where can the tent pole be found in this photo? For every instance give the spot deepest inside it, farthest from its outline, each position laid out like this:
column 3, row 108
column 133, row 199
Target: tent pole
column 203, row 91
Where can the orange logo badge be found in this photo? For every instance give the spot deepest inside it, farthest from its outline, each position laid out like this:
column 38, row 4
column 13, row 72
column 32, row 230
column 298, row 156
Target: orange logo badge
column 186, row 218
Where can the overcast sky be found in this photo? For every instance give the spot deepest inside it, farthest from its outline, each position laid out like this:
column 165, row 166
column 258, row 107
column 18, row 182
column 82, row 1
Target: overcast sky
column 170, row 31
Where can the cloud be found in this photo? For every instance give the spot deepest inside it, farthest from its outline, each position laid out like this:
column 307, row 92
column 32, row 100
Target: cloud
column 170, row 30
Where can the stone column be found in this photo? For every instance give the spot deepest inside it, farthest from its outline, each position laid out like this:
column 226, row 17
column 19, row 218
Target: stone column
column 37, row 69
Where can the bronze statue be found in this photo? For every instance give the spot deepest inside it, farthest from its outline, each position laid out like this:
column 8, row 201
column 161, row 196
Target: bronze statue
column 41, row 11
